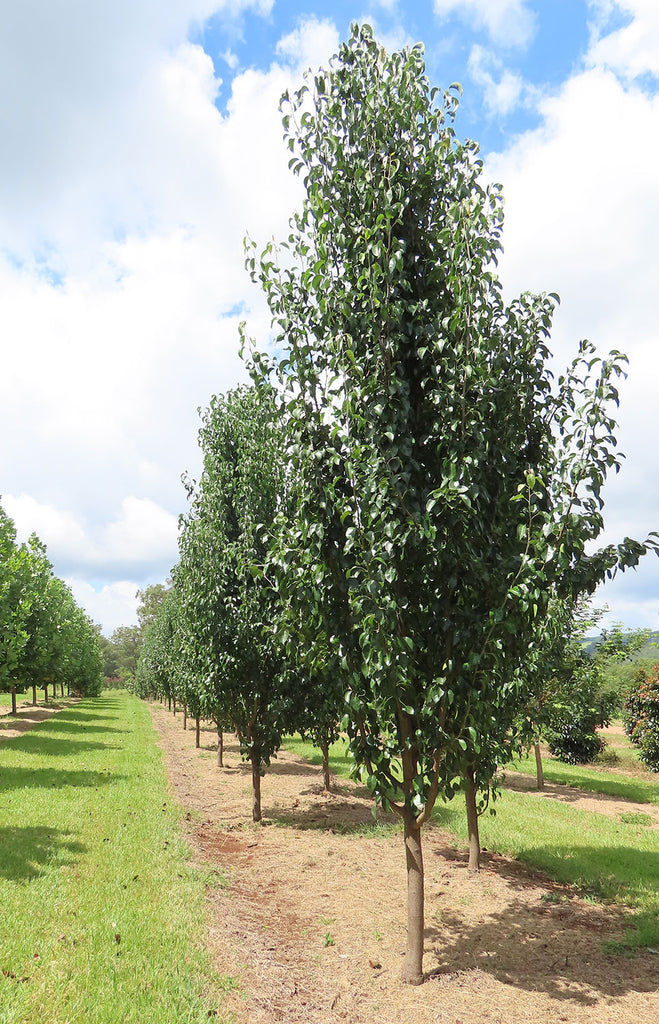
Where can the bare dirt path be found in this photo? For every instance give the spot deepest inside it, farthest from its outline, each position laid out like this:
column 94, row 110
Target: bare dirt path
column 312, row 921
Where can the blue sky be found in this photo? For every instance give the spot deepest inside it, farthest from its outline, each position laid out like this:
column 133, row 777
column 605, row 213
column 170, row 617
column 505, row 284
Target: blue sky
column 142, row 140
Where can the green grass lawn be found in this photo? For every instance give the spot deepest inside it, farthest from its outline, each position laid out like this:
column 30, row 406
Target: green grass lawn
column 102, row 914
column 641, row 789
column 607, row 858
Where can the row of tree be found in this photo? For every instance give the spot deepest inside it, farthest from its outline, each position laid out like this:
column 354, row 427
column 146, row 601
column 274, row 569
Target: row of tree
column 46, row 639
column 397, row 520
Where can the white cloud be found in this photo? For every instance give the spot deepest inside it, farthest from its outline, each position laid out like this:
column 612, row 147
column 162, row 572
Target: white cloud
column 111, row 605
column 122, row 218
column 632, row 49
column 141, row 540
column 310, row 44
column 582, row 218
column 503, row 90
column 508, row 22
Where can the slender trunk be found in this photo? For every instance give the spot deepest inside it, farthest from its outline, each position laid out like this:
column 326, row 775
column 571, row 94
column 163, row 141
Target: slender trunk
column 185, row 715
column 472, row 823
column 34, row 695
column 220, row 747
column 540, row 778
column 197, row 723
column 256, row 787
column 324, row 746
column 13, row 700
column 169, row 702
column 413, row 963
column 174, row 702
column 62, row 689
column 45, row 692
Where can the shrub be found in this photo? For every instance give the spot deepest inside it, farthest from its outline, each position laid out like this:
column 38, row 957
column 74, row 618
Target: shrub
column 641, row 716
column 576, row 741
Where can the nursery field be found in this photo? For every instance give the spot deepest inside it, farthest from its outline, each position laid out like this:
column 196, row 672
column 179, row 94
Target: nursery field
column 135, row 886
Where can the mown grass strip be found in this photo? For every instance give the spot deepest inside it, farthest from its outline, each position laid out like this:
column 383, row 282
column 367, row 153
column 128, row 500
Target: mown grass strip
column 103, row 914
column 606, row 857
column 595, row 780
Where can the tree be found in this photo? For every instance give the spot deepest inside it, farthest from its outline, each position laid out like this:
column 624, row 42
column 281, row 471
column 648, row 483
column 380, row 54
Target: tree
column 228, row 604
column 641, row 716
column 127, row 641
column 150, row 601
column 447, row 485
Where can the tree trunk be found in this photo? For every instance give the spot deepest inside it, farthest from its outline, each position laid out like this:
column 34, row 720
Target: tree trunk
column 540, row 778
column 62, row 689
column 174, row 703
column 169, row 703
column 13, row 700
column 45, row 693
column 256, row 787
column 472, row 823
column 324, row 746
column 185, row 716
column 34, row 695
column 413, row 963
column 197, row 723
column 220, row 747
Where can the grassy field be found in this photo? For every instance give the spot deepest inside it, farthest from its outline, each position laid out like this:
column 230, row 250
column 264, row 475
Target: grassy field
column 608, row 858
column 102, row 914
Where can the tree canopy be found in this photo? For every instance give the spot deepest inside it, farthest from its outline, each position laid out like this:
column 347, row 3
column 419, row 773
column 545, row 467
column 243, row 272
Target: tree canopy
column 448, row 485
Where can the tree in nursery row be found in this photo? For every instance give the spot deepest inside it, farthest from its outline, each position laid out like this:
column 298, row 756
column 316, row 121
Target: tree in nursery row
column 45, row 638
column 447, row 486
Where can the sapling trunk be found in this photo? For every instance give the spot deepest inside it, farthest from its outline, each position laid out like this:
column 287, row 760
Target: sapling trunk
column 324, row 746
column 185, row 716
column 472, row 822
column 34, row 695
column 540, row 778
column 256, row 787
column 174, row 704
column 197, row 722
column 220, row 747
column 413, row 963
column 45, row 693
column 13, row 700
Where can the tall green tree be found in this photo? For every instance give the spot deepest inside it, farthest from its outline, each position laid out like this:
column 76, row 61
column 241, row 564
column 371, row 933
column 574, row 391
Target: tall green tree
column 447, row 484
column 228, row 603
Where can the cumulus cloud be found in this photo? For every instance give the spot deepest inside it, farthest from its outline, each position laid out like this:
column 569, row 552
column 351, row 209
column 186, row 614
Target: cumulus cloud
column 140, row 542
column 631, row 49
column 582, row 218
column 507, row 22
column 112, row 605
column 125, row 198
column 503, row 90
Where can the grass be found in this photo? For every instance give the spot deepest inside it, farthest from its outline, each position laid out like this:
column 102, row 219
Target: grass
column 607, row 858
column 594, row 780
column 103, row 915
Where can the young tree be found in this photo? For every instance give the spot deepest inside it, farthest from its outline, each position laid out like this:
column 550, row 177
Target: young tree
column 446, row 486
column 228, row 604
column 641, row 713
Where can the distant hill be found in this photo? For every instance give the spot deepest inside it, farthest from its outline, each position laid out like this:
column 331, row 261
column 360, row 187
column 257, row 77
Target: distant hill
column 649, row 650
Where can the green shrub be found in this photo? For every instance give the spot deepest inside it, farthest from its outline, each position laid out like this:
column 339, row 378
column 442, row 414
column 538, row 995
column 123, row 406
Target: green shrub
column 641, row 716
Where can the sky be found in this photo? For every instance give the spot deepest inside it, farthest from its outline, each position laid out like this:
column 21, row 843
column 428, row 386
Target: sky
column 141, row 142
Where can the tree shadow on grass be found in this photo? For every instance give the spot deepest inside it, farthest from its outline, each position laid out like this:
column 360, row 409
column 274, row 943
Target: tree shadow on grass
column 58, row 724
column 25, row 851
column 37, row 742
column 52, row 778
column 553, row 944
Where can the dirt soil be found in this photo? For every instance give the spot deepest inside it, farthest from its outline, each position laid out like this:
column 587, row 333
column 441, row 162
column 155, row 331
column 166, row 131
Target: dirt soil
column 28, row 716
column 312, row 921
